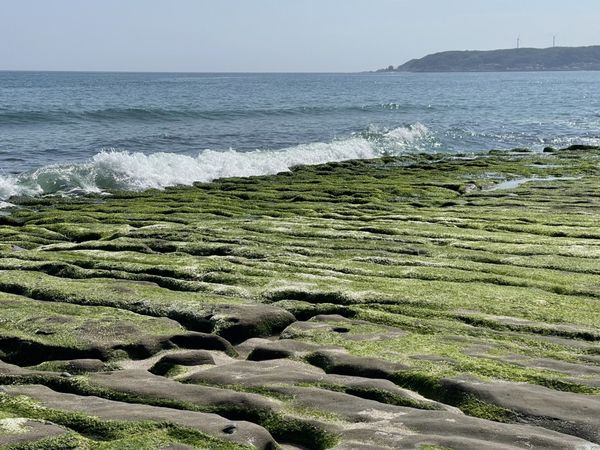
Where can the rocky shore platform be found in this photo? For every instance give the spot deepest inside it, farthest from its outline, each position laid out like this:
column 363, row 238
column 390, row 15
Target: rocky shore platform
column 419, row 302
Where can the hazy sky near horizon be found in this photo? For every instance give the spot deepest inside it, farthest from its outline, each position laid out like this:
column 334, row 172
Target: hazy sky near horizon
column 275, row 35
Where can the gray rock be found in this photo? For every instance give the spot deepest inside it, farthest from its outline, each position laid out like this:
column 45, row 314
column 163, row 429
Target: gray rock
column 85, row 365
column 283, row 348
column 370, row 424
column 263, row 373
column 189, row 358
column 203, row 341
column 141, row 383
column 290, row 373
column 236, row 323
column 17, row 431
column 575, row 414
column 246, row 433
column 345, row 364
column 350, row 329
column 11, row 369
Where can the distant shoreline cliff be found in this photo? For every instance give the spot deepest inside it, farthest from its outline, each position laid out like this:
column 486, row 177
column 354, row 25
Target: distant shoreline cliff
column 508, row 60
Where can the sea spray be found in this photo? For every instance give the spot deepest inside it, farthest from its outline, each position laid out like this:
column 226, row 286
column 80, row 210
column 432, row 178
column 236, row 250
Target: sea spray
column 66, row 118
column 122, row 170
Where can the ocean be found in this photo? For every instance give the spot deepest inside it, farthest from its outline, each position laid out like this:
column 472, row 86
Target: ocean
column 72, row 133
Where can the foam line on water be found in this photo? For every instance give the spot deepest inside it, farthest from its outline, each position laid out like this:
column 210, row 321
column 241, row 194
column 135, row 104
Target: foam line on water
column 123, row 170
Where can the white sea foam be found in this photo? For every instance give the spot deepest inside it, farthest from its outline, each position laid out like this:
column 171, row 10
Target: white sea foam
column 114, row 170
column 11, row 185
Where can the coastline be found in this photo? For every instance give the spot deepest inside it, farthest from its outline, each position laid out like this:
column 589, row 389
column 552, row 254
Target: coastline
column 314, row 307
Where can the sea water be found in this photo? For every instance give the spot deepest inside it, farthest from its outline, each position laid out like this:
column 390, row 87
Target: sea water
column 64, row 132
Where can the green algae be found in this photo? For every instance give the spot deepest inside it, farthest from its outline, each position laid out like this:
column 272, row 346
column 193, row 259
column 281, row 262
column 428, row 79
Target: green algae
column 294, row 424
column 94, row 433
column 421, row 243
column 32, row 331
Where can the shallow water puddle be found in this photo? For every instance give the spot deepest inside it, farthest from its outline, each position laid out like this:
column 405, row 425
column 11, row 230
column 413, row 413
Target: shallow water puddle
column 512, row 184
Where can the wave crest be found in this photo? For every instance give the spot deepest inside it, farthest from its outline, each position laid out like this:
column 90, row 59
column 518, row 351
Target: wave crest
column 141, row 114
column 123, row 170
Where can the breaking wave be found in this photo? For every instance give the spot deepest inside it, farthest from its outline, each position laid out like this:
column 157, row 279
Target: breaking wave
column 123, row 170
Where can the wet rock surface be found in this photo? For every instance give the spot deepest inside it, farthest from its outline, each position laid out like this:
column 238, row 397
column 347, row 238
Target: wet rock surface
column 392, row 303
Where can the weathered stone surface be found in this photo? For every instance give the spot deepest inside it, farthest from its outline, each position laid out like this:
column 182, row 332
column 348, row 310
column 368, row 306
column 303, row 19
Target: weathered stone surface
column 140, row 383
column 35, row 331
column 517, row 324
column 387, row 426
column 74, row 366
column 282, row 348
column 12, row 369
column 85, row 365
column 204, row 341
column 343, row 327
column 263, row 373
column 189, row 358
column 245, row 348
column 14, row 431
column 212, row 424
column 580, row 373
column 284, row 372
column 360, row 366
column 566, row 412
column 560, row 366
column 322, row 293
column 236, row 323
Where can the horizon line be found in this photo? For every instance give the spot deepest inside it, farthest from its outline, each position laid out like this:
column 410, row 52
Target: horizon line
column 277, row 71
column 242, row 72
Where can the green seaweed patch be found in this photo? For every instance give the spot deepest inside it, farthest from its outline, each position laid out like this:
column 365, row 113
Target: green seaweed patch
column 474, row 407
column 301, row 431
column 372, row 393
column 95, row 433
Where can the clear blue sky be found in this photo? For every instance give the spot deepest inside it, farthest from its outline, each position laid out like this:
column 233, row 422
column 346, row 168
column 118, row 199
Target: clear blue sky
column 275, row 35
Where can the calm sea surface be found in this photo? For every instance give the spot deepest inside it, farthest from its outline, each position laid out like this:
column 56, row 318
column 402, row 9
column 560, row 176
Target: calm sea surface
column 76, row 132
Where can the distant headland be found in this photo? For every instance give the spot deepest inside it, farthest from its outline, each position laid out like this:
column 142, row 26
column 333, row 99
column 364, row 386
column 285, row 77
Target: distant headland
column 506, row 60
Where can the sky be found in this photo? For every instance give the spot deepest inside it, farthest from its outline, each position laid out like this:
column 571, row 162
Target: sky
column 275, row 35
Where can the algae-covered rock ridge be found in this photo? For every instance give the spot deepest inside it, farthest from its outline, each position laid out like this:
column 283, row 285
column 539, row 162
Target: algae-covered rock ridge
column 424, row 301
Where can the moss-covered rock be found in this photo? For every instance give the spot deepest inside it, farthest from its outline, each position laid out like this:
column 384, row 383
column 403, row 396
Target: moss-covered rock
column 374, row 279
